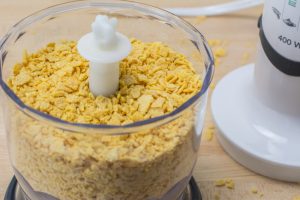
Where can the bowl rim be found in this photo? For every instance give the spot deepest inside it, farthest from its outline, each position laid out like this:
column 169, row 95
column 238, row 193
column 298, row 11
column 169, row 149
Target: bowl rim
column 81, row 4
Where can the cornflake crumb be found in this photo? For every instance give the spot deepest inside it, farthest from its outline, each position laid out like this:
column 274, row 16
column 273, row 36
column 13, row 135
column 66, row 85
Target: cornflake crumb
column 220, row 52
column 220, row 183
column 214, row 42
column 209, row 134
column 217, row 197
column 228, row 183
column 254, row 190
column 212, row 86
column 200, row 19
column 211, row 127
column 218, row 49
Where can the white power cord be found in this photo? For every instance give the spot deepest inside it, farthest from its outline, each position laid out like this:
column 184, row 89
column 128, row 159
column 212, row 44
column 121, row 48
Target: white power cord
column 216, row 9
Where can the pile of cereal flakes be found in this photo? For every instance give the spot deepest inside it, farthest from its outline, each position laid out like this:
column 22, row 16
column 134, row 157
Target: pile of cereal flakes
column 154, row 80
column 69, row 165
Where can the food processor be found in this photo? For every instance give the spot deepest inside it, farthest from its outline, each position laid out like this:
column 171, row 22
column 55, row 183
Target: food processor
column 256, row 107
column 47, row 169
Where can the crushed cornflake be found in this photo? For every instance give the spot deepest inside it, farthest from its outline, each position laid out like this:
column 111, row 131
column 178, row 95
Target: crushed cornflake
column 209, row 133
column 200, row 19
column 218, row 48
column 220, row 52
column 220, row 183
column 212, row 86
column 254, row 190
column 154, row 80
column 214, row 42
column 217, row 197
column 228, row 183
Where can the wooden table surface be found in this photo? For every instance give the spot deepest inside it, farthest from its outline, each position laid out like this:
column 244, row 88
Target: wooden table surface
column 239, row 35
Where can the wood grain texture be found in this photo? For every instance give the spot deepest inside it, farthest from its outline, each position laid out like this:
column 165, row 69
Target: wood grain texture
column 239, row 31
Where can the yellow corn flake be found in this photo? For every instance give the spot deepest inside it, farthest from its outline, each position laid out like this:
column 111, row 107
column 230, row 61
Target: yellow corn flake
column 158, row 103
column 212, row 86
column 17, row 68
column 72, row 83
column 136, row 92
column 144, row 103
column 200, row 19
column 211, row 127
column 208, row 135
column 214, row 42
column 156, row 112
column 254, row 190
column 142, row 78
column 220, row 183
column 115, row 119
column 220, row 52
column 129, row 80
column 44, row 106
column 217, row 62
column 22, row 78
column 228, row 183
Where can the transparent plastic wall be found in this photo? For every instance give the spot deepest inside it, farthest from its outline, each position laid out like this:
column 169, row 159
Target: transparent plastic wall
column 151, row 159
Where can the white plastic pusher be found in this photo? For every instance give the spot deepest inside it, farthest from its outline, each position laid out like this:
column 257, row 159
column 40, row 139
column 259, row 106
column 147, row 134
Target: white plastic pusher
column 257, row 108
column 104, row 48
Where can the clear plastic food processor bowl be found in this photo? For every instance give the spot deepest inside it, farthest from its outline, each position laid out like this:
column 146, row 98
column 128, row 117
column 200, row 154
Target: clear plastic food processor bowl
column 48, row 167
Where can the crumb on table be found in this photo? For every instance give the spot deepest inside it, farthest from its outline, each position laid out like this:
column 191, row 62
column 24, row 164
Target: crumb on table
column 228, row 183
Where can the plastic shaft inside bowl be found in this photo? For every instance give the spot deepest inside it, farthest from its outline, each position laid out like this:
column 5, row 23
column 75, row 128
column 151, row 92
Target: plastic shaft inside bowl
column 104, row 48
